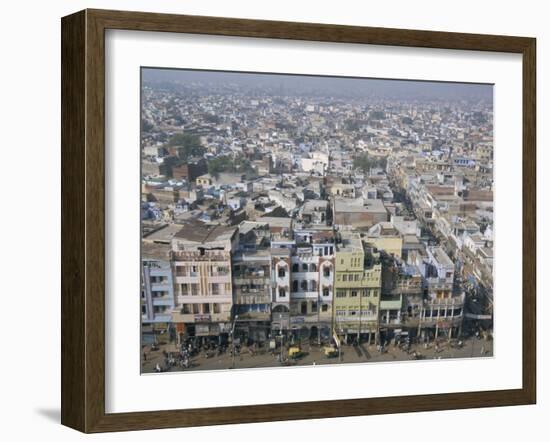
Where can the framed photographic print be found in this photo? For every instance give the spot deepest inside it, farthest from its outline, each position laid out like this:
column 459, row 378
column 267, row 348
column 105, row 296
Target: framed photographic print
column 266, row 221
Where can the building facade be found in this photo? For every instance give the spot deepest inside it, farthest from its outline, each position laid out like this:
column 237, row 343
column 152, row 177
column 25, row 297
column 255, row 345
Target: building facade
column 201, row 256
column 357, row 289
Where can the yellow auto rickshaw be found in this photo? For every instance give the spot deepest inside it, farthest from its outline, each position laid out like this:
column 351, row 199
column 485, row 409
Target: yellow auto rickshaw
column 294, row 352
column 330, row 352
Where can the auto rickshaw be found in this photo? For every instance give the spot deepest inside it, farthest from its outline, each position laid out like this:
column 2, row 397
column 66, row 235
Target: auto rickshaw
column 330, row 352
column 294, row 352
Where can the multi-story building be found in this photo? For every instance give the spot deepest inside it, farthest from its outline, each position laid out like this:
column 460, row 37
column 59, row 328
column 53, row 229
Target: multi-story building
column 201, row 256
column 357, row 289
column 252, row 294
column 312, row 283
column 443, row 306
column 402, row 298
column 280, row 283
column 157, row 288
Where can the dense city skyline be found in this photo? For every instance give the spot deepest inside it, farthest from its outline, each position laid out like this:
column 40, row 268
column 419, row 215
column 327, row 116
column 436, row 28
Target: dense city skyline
column 311, row 220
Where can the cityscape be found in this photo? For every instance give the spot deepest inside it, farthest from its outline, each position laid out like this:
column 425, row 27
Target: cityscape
column 293, row 220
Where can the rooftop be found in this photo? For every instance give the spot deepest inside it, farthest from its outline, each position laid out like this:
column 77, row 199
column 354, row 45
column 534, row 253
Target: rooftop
column 163, row 234
column 156, row 251
column 203, row 233
column 359, row 205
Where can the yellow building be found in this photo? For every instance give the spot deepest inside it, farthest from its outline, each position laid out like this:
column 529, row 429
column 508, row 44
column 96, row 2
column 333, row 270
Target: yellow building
column 384, row 236
column 357, row 289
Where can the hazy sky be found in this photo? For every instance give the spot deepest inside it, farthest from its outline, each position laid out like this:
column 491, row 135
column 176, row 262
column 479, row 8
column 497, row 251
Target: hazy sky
column 330, row 86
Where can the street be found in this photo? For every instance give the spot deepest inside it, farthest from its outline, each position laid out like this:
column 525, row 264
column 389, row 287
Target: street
column 314, row 355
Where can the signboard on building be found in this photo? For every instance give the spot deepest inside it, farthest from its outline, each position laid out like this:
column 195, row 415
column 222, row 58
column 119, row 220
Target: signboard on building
column 202, row 318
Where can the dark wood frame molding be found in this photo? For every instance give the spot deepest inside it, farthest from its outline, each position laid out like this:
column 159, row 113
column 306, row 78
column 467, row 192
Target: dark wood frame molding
column 83, row 217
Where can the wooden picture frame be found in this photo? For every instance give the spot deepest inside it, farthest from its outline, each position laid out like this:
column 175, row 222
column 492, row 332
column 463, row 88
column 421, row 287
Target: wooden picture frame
column 83, row 220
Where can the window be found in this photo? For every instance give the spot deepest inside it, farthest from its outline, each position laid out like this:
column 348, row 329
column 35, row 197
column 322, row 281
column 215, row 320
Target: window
column 340, row 294
column 356, row 277
column 216, row 308
column 282, row 272
column 304, row 267
column 143, row 310
column 186, row 309
column 326, row 272
column 314, row 307
column 313, row 268
column 326, row 291
column 215, row 288
column 196, row 309
column 294, row 286
column 303, row 285
column 184, row 288
column 303, row 308
column 282, row 293
column 313, row 286
column 324, row 308
column 344, row 277
column 375, row 293
column 194, row 289
column 206, row 308
column 354, row 293
column 295, row 268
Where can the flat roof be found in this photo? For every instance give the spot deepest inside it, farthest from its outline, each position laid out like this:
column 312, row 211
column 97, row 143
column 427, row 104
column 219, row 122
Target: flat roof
column 203, row 233
column 151, row 250
column 163, row 234
column 359, row 205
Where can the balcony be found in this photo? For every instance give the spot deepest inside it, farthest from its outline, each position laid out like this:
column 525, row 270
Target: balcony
column 254, row 316
column 304, row 295
column 239, row 280
column 189, row 279
column 191, row 318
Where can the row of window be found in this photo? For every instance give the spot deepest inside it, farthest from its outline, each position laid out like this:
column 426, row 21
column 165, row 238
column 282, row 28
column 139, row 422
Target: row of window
column 354, row 277
column 371, row 311
column 313, row 307
column 282, row 291
column 305, row 268
column 201, row 309
column 355, row 293
column 193, row 270
column 157, row 309
column 215, row 289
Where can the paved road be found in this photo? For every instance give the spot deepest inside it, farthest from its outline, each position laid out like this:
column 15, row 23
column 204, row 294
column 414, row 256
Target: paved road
column 315, row 356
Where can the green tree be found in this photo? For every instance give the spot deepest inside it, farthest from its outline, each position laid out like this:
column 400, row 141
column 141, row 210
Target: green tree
column 187, row 145
column 362, row 162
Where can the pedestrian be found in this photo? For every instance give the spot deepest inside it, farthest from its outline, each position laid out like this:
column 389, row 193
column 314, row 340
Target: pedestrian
column 144, row 356
column 482, row 350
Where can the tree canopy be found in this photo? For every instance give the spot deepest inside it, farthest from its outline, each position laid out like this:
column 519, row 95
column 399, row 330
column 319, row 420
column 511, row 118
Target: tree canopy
column 226, row 164
column 365, row 162
column 187, row 145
